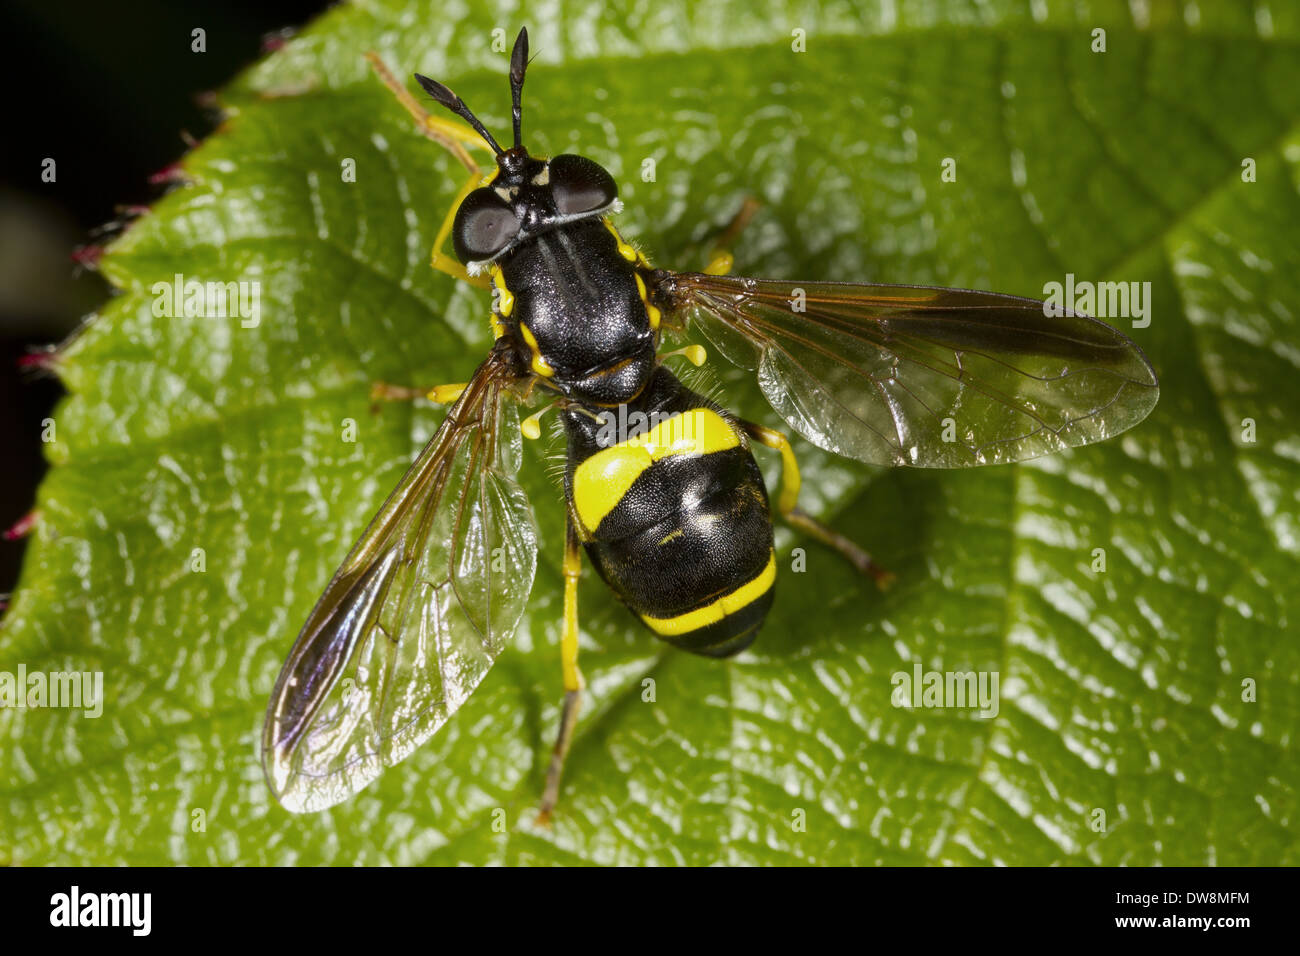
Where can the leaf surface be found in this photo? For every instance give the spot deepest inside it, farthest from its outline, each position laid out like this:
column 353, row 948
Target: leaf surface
column 1121, row 691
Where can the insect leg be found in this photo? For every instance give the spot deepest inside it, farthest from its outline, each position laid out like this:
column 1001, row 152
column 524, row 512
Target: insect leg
column 442, row 394
column 788, row 506
column 573, row 682
column 720, row 258
column 450, row 135
column 453, row 137
column 445, row 263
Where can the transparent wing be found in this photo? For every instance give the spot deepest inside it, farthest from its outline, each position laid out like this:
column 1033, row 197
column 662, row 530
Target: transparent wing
column 913, row 375
column 416, row 615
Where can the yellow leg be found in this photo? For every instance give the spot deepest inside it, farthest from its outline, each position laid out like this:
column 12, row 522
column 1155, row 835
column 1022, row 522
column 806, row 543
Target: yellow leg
column 720, row 258
column 788, row 506
column 449, row 134
column 454, row 137
column 442, row 394
column 445, row 263
column 573, row 682
column 789, row 498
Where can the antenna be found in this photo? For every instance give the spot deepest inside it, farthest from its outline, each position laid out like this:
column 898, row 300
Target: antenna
column 518, row 64
column 454, row 103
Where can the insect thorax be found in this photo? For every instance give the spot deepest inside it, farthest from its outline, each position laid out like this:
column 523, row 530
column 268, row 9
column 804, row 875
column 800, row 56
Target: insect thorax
column 575, row 303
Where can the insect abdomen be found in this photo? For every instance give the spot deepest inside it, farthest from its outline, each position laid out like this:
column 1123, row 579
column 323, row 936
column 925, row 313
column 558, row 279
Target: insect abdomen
column 675, row 518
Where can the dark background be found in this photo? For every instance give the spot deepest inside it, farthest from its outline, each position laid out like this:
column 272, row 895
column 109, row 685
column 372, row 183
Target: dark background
column 110, row 91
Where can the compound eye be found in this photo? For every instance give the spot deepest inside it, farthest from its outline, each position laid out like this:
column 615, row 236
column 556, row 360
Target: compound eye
column 485, row 224
column 579, row 185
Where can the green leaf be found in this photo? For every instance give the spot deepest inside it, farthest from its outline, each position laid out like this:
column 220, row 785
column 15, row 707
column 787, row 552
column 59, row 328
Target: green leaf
column 1121, row 691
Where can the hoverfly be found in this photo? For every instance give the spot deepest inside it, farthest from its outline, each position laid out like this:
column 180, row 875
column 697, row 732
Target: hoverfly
column 675, row 518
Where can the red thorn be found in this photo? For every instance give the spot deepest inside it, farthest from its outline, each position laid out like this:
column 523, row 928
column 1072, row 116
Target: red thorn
column 134, row 211
column 168, row 174
column 277, row 39
column 43, row 360
column 22, row 527
column 87, row 256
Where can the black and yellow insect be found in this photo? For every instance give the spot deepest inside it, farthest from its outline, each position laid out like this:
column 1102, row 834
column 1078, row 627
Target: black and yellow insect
column 674, row 514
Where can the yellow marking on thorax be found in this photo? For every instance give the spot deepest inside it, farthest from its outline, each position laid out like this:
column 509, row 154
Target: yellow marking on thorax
column 651, row 311
column 600, row 482
column 626, row 249
column 539, row 365
column 637, row 258
column 712, row 613
column 506, row 298
column 505, row 301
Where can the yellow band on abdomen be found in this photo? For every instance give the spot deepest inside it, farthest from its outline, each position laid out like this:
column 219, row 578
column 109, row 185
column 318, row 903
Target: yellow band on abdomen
column 600, row 482
column 737, row 600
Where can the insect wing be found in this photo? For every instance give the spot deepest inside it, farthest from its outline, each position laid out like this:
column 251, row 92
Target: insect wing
column 929, row 377
column 416, row 615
